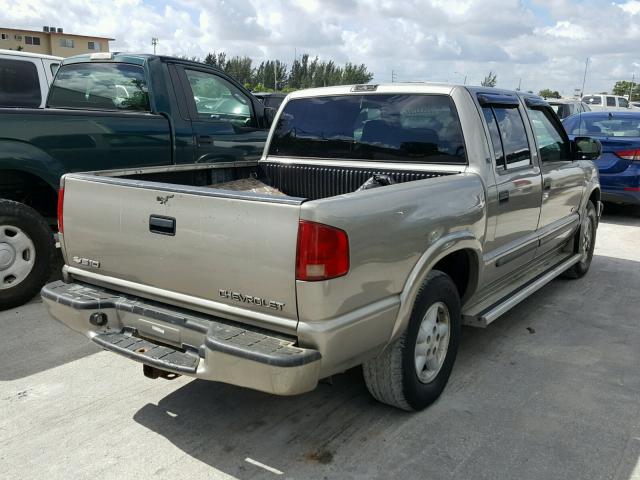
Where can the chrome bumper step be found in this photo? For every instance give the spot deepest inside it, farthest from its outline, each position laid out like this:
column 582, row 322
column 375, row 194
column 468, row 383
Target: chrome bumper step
column 149, row 353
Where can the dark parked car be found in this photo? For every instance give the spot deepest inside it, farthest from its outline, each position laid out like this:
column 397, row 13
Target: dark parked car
column 619, row 165
column 117, row 112
column 272, row 100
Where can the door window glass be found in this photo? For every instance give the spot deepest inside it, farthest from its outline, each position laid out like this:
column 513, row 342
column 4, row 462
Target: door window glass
column 552, row 144
column 514, row 137
column 611, row 101
column 19, row 84
column 622, row 102
column 217, row 99
column 495, row 135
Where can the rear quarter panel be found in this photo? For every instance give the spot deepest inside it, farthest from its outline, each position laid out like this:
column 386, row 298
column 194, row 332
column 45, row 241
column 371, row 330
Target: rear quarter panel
column 389, row 231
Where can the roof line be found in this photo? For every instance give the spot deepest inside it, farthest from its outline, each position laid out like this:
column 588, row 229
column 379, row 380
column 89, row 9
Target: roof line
column 55, row 33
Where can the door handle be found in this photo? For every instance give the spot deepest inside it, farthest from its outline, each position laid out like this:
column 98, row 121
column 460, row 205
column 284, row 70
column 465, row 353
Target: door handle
column 547, row 184
column 503, row 196
column 205, row 140
column 162, row 225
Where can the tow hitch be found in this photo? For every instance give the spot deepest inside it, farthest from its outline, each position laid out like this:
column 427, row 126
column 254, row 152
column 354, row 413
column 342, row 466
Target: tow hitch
column 153, row 373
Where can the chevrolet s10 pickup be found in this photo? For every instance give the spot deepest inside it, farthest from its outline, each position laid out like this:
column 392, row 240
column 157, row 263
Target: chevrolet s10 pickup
column 112, row 111
column 379, row 219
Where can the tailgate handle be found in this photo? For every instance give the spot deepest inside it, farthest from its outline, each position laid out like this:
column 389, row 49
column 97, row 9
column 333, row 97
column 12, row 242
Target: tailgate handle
column 162, row 225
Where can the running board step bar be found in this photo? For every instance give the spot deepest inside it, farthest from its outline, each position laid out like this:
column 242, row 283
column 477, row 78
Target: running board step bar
column 495, row 311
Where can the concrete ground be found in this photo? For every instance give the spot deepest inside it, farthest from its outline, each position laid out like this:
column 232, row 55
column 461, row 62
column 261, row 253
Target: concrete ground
column 549, row 391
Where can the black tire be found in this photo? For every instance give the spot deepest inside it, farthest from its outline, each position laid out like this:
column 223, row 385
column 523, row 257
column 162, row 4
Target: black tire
column 392, row 376
column 581, row 268
column 26, row 219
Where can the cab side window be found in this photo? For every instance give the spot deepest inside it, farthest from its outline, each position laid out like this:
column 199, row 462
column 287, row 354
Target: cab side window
column 19, row 84
column 623, row 103
column 508, row 136
column 217, row 99
column 552, row 144
column 611, row 101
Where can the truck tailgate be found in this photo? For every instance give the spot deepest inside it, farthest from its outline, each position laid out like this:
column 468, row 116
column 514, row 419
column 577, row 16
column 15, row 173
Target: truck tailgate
column 232, row 253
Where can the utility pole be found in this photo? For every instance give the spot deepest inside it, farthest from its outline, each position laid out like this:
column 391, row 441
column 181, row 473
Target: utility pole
column 393, row 76
column 275, row 75
column 154, row 42
column 584, row 79
column 462, row 75
column 519, row 83
column 633, row 82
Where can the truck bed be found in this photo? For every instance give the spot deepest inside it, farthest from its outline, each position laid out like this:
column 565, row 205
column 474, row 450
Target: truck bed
column 299, row 180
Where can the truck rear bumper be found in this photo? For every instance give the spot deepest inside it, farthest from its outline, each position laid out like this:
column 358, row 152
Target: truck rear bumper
column 184, row 342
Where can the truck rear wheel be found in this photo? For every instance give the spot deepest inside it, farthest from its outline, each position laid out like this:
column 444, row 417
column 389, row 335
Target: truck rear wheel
column 412, row 372
column 585, row 242
column 26, row 253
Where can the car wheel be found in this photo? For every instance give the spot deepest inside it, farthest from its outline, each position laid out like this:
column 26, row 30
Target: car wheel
column 412, row 372
column 27, row 253
column 585, row 242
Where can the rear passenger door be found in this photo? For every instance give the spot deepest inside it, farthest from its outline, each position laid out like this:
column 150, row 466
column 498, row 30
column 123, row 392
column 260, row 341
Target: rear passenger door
column 563, row 180
column 515, row 206
column 224, row 118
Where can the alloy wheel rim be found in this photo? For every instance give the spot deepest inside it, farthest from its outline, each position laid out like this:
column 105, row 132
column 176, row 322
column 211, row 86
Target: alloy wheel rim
column 17, row 256
column 432, row 342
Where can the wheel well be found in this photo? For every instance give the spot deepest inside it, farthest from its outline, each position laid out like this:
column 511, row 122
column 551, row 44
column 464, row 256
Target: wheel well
column 595, row 197
column 461, row 266
column 31, row 190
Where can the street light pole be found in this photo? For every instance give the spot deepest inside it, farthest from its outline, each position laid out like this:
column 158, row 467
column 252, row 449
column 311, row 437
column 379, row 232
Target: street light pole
column 154, row 42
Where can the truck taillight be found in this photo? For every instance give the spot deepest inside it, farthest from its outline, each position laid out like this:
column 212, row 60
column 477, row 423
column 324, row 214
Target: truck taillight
column 60, row 210
column 633, row 154
column 323, row 252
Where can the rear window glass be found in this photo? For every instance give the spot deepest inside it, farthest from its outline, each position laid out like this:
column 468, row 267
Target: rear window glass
column 377, row 127
column 100, row 86
column 605, row 126
column 611, row 101
column 19, row 84
column 592, row 99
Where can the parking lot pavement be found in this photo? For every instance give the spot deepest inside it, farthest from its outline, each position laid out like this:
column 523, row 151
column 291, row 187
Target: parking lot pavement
column 549, row 391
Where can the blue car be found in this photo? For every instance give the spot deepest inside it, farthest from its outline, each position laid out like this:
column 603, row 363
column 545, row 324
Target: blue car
column 619, row 165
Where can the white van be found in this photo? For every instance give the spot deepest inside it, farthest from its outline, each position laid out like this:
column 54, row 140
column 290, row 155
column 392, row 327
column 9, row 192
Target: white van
column 599, row 102
column 25, row 78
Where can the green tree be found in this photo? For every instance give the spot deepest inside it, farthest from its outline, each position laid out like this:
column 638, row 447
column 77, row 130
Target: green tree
column 305, row 72
column 240, row 68
column 490, row 80
column 216, row 59
column 624, row 88
column 548, row 93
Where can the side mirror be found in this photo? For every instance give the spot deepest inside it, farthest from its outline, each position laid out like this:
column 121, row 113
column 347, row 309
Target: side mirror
column 586, row 148
column 269, row 116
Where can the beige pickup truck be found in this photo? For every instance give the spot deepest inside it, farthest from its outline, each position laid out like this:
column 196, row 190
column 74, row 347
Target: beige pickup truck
column 385, row 217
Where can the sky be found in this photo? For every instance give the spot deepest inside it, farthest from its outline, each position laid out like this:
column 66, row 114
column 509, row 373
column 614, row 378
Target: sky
column 532, row 43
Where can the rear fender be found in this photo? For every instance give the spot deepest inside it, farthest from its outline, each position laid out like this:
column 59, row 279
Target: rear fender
column 25, row 157
column 463, row 240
